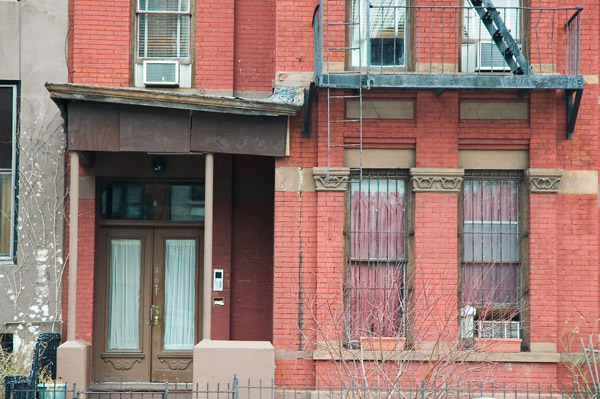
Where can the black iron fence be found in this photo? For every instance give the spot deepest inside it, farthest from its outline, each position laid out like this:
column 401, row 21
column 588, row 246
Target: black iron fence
column 356, row 389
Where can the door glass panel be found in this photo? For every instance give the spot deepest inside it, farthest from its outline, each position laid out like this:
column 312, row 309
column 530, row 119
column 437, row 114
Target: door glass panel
column 124, row 294
column 183, row 202
column 180, row 270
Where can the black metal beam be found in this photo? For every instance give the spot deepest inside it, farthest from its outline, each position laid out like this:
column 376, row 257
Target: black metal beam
column 455, row 81
column 524, row 92
column 572, row 109
column 309, row 97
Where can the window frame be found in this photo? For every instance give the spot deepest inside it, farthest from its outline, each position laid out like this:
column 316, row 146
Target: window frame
column 406, row 260
column 12, row 255
column 135, row 62
column 519, row 310
column 365, row 54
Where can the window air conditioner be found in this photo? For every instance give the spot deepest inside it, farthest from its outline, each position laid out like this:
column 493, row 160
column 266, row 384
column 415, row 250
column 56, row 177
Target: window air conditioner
column 489, row 58
column 161, row 73
column 499, row 329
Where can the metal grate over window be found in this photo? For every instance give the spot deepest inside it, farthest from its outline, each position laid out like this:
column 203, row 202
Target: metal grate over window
column 163, row 28
column 377, row 254
column 491, row 254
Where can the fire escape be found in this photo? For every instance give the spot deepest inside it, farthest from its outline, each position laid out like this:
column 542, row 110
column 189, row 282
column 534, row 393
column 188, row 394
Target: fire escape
column 479, row 46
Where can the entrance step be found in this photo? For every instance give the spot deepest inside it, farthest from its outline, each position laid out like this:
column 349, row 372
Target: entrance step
column 139, row 390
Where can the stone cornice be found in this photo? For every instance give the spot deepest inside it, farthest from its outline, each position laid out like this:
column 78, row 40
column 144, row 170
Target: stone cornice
column 544, row 181
column 331, row 179
column 437, row 180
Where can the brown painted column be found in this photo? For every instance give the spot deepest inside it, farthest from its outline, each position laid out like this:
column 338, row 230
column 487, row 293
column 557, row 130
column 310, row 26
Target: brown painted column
column 73, row 238
column 208, row 242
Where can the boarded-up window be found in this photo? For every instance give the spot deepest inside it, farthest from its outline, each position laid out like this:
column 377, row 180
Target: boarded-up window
column 377, row 256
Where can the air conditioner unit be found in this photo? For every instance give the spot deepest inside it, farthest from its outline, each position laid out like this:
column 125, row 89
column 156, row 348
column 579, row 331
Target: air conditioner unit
column 499, row 329
column 489, row 58
column 161, row 73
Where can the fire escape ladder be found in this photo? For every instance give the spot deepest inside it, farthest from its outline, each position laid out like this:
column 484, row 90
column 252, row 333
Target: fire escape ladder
column 491, row 19
column 338, row 117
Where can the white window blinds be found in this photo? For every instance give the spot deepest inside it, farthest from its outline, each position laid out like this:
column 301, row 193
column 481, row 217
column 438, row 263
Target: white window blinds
column 163, row 28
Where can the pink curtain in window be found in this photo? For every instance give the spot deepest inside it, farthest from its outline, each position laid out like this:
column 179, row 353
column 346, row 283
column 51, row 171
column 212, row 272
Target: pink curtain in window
column 490, row 242
column 376, row 263
column 377, row 225
column 491, row 201
column 491, row 283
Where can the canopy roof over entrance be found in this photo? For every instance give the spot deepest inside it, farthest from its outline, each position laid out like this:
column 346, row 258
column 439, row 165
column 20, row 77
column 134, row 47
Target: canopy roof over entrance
column 143, row 120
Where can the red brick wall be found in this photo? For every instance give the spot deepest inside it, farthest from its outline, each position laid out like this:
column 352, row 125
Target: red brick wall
column 222, row 244
column 100, row 42
column 435, row 269
column 215, row 64
column 239, row 45
column 85, row 269
column 562, row 236
column 254, row 47
column 252, row 249
column 294, row 34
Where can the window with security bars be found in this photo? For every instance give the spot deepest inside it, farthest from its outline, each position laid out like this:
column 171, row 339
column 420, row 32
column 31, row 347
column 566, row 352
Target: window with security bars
column 377, row 255
column 8, row 123
column 379, row 33
column 163, row 29
column 491, row 265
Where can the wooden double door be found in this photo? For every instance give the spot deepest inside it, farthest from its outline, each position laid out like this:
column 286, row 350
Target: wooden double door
column 147, row 303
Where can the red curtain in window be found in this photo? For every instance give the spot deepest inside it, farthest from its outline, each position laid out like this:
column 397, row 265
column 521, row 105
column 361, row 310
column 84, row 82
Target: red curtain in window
column 376, row 263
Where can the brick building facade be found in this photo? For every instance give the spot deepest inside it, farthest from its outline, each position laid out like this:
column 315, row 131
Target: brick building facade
column 417, row 190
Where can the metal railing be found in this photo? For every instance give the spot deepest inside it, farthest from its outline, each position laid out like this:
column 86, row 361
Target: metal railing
column 355, row 389
column 400, row 39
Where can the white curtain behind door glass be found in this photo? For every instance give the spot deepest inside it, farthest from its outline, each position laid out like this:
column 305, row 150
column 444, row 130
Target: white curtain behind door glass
column 180, row 265
column 124, row 295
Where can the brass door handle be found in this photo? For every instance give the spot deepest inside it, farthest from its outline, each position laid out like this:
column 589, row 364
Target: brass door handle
column 154, row 315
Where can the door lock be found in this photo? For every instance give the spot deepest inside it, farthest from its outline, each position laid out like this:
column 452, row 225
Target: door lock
column 154, row 315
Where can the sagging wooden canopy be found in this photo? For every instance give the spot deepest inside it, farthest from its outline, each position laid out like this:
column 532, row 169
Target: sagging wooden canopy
column 142, row 120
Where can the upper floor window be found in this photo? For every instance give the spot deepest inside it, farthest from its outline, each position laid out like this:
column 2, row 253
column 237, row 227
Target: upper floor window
column 491, row 255
column 163, row 40
column 163, row 29
column 8, row 129
column 379, row 33
column 377, row 255
column 479, row 53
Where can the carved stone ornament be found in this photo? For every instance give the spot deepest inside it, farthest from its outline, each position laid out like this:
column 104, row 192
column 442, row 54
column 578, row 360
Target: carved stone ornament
column 331, row 179
column 122, row 363
column 437, row 180
column 544, row 181
column 176, row 364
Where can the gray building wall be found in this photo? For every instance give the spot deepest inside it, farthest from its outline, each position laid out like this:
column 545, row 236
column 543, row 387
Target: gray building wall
column 33, row 50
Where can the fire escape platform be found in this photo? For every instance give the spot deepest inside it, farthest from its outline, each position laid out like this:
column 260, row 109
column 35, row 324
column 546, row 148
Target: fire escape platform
column 450, row 81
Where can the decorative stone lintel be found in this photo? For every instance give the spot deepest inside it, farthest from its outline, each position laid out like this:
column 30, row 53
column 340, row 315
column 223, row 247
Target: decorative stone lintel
column 437, row 180
column 544, row 181
column 331, row 178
